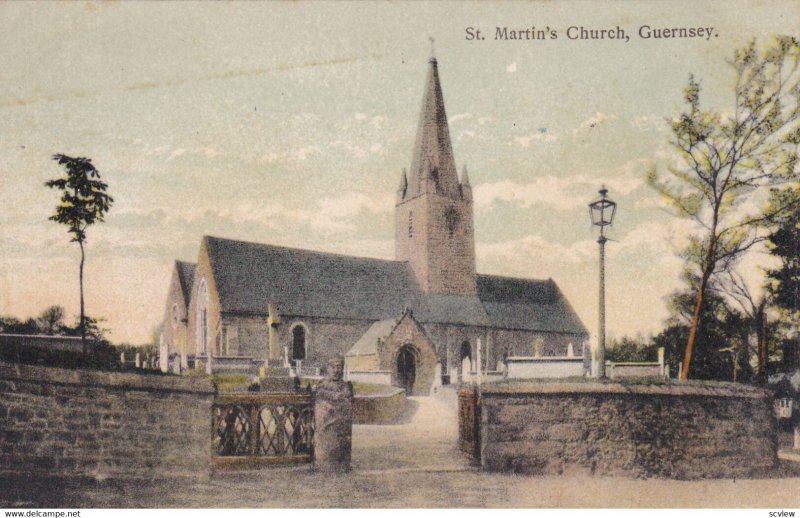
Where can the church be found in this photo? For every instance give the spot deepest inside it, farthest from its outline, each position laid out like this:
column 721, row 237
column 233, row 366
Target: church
column 417, row 319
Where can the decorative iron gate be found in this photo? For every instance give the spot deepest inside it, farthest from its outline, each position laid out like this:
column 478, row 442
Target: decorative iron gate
column 469, row 422
column 262, row 428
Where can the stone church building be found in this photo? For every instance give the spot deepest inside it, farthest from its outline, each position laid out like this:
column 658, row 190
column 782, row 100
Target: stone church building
column 246, row 304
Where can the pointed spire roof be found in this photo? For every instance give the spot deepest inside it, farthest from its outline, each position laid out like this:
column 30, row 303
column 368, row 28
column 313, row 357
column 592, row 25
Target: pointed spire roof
column 465, row 178
column 403, row 182
column 432, row 165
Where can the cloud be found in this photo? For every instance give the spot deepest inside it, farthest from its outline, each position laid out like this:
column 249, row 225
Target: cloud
column 541, row 135
column 352, row 203
column 547, row 190
column 536, row 249
column 545, row 135
column 512, row 68
column 591, row 123
column 651, row 202
column 175, row 154
column 560, row 192
column 459, row 116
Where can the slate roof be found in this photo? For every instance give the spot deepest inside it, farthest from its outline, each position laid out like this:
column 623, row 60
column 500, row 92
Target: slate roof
column 248, row 276
column 186, row 278
column 368, row 343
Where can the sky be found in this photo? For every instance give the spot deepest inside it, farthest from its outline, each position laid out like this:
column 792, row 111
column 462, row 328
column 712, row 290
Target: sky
column 290, row 124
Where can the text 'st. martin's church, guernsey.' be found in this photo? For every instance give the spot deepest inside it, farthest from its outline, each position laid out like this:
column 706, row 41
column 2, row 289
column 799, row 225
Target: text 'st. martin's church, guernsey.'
column 243, row 305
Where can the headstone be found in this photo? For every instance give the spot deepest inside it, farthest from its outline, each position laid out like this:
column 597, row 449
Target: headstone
column 333, row 420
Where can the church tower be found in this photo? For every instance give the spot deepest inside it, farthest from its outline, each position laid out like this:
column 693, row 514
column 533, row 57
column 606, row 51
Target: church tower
column 434, row 230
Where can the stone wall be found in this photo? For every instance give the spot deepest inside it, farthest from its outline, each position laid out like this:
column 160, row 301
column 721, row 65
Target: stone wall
column 682, row 431
column 102, row 425
column 544, row 367
column 380, row 408
column 59, row 343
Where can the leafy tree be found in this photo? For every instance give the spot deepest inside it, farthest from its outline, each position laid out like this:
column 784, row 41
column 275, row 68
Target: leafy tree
column 629, row 349
column 721, row 348
column 784, row 281
column 91, row 328
column 51, row 321
column 83, row 203
column 724, row 163
column 13, row 325
column 755, row 320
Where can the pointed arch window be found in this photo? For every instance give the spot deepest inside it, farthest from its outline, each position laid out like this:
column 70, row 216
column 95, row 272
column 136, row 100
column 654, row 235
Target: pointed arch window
column 435, row 178
column 175, row 316
column 451, row 217
column 299, row 336
column 202, row 319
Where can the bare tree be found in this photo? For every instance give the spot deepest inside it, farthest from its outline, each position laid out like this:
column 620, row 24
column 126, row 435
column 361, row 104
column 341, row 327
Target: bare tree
column 725, row 163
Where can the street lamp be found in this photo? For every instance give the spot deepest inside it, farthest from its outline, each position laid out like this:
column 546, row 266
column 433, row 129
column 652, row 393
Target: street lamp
column 602, row 212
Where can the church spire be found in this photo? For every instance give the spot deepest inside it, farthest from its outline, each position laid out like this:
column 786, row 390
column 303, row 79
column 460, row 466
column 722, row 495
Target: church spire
column 433, row 168
column 465, row 178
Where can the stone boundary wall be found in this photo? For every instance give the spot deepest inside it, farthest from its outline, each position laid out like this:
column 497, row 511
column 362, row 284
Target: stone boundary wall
column 381, row 408
column 544, row 366
column 102, row 425
column 686, row 431
column 61, row 343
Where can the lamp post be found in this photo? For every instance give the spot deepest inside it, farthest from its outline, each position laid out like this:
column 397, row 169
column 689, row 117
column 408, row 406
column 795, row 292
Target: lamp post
column 602, row 212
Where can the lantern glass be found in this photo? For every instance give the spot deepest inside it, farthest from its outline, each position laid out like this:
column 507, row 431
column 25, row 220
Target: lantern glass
column 602, row 210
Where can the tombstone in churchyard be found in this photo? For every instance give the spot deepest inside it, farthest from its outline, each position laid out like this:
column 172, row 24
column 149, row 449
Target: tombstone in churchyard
column 333, row 420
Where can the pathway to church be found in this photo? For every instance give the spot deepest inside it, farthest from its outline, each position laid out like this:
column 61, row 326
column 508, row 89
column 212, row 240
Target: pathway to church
column 425, row 438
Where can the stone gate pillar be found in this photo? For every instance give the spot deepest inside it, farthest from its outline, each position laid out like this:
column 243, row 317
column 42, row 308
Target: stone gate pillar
column 333, row 420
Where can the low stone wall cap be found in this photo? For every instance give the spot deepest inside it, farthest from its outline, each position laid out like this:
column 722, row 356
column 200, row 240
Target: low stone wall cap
column 715, row 389
column 113, row 379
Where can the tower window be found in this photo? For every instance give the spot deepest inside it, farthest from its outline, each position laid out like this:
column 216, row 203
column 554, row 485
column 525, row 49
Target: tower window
column 410, row 224
column 451, row 217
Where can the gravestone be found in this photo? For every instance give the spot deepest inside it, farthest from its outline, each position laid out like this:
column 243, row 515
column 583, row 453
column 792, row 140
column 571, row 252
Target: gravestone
column 333, row 420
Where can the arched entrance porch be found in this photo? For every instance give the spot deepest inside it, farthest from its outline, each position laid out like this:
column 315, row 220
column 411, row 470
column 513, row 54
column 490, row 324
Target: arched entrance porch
column 406, row 367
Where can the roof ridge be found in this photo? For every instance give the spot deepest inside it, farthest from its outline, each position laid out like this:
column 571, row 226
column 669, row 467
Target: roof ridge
column 306, row 250
column 512, row 278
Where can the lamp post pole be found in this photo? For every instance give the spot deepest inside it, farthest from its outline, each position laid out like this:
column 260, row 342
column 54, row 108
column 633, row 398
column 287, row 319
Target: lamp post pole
column 602, row 213
column 601, row 332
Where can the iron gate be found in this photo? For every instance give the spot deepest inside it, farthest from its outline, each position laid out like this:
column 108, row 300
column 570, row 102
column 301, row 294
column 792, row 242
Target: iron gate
column 262, row 428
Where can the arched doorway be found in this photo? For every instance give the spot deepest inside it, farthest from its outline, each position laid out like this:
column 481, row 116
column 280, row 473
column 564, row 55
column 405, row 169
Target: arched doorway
column 407, row 368
column 465, row 361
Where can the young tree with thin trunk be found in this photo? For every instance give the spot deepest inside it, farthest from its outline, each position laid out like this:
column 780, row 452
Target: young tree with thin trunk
column 755, row 311
column 726, row 163
column 83, row 203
